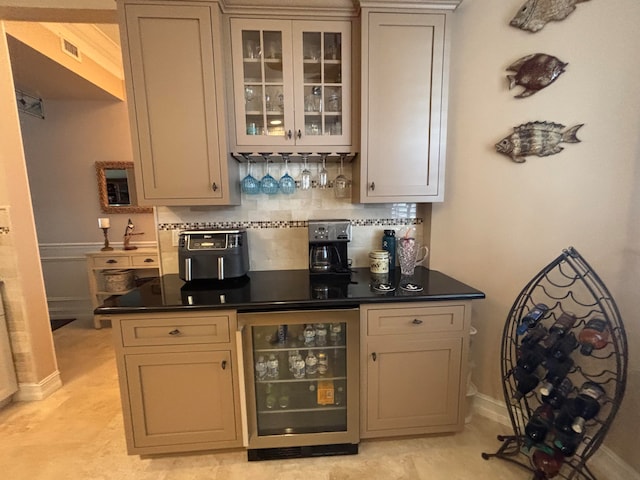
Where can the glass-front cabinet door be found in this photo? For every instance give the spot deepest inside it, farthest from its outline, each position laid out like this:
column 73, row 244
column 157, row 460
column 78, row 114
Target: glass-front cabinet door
column 292, row 82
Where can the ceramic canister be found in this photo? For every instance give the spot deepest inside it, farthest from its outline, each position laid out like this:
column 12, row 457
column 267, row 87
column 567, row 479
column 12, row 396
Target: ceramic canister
column 379, row 261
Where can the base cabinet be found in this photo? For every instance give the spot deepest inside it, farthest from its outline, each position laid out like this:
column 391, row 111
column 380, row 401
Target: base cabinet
column 178, row 381
column 413, row 368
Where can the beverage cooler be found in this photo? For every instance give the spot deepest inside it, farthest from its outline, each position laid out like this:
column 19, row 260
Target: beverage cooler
column 301, row 377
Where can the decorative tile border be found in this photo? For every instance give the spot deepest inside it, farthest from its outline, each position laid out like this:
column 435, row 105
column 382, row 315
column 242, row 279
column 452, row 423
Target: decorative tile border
column 364, row 222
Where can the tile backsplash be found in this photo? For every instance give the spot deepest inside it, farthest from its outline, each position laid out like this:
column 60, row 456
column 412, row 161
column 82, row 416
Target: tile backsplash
column 277, row 225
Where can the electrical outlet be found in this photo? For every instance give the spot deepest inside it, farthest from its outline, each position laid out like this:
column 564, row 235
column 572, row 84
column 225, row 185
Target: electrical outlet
column 175, row 237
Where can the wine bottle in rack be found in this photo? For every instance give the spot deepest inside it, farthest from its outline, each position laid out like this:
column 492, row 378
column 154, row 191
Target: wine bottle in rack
column 531, row 357
column 539, row 424
column 547, row 461
column 559, row 394
column 525, row 382
column 560, row 328
column 556, row 372
column 533, row 336
column 562, row 348
column 593, row 336
column 532, row 318
column 567, row 443
column 587, row 405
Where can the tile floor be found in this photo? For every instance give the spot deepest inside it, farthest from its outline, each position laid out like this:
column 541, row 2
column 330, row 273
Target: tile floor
column 77, row 433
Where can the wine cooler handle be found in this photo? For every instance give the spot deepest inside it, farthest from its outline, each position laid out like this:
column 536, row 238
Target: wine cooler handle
column 374, row 356
column 174, row 332
column 417, row 321
column 224, row 364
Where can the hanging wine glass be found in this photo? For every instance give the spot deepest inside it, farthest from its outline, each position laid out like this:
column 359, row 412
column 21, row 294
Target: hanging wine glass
column 287, row 183
column 268, row 184
column 305, row 175
column 249, row 184
column 341, row 183
column 323, row 174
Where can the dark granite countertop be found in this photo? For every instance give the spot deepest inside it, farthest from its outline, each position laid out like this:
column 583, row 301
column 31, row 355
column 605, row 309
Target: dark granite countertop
column 284, row 290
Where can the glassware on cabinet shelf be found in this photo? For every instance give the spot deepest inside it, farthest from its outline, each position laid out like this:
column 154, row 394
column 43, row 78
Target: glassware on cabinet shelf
column 261, row 368
column 341, row 183
column 305, row 175
column 311, row 364
column 250, row 185
column 309, row 336
column 268, row 184
column 287, row 183
column 323, row 174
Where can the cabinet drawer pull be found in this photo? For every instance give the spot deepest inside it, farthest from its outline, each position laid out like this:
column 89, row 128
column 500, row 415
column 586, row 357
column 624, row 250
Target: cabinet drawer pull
column 149, row 260
column 372, row 186
column 299, row 134
column 214, row 187
column 417, row 321
column 224, row 364
column 111, row 260
column 374, row 356
column 175, row 332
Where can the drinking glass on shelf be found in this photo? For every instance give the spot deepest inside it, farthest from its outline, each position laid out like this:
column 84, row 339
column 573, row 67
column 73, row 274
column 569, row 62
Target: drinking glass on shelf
column 305, row 175
column 268, row 184
column 249, row 184
column 341, row 183
column 287, row 183
column 323, row 174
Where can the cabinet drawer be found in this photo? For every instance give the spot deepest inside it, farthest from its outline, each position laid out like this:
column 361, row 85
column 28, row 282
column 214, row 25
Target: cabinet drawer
column 175, row 331
column 415, row 320
column 112, row 261
column 144, row 260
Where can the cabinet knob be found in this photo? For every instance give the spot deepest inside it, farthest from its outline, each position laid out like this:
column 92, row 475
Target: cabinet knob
column 175, row 332
column 299, row 134
column 372, row 186
column 289, row 134
column 417, row 321
column 111, row 260
column 374, row 356
column 214, row 187
column 224, row 364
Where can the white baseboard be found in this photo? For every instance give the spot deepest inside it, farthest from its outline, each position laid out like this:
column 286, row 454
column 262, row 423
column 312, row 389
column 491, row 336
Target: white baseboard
column 604, row 458
column 29, row 392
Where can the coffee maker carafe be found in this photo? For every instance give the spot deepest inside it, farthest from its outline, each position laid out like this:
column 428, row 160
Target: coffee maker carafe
column 328, row 246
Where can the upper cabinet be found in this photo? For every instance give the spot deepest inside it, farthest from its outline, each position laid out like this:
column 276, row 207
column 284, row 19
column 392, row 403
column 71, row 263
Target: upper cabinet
column 291, row 84
column 404, row 103
column 175, row 86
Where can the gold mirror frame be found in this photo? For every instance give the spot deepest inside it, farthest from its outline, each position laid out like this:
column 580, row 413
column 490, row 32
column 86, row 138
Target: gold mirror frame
column 101, row 167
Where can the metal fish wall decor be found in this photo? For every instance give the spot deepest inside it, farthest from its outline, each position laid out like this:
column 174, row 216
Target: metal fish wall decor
column 534, row 72
column 536, row 138
column 535, row 14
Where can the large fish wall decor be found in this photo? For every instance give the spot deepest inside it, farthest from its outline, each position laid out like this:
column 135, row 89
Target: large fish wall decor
column 534, row 72
column 535, row 14
column 536, row 138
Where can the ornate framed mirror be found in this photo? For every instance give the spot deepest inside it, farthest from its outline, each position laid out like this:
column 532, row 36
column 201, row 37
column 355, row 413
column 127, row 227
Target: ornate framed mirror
column 117, row 188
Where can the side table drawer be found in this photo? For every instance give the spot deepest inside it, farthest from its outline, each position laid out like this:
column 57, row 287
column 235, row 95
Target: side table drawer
column 114, row 261
column 150, row 261
column 415, row 320
column 178, row 331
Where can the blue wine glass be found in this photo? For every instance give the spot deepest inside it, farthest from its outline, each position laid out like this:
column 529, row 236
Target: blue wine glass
column 287, row 183
column 249, row 184
column 268, row 184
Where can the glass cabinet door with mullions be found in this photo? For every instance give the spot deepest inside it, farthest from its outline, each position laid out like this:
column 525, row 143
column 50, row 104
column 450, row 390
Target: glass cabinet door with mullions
column 292, row 83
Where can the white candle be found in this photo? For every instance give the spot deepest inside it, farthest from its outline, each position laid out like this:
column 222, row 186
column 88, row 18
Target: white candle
column 103, row 223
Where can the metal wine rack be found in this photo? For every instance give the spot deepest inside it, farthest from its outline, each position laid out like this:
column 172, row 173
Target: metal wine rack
column 567, row 284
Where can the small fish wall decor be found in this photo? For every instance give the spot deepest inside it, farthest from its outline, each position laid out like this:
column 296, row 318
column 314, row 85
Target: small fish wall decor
column 534, row 72
column 535, row 14
column 537, row 138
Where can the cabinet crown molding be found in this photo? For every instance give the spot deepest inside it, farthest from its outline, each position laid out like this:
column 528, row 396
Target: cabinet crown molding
column 413, row 4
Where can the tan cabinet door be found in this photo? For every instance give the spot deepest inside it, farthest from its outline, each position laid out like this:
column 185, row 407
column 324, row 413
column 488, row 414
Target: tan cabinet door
column 174, row 103
column 164, row 408
column 403, row 107
column 412, row 384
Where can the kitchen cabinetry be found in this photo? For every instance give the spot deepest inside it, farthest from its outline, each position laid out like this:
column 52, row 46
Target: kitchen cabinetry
column 178, row 381
column 174, row 76
column 291, row 84
column 144, row 262
column 413, row 368
column 404, row 104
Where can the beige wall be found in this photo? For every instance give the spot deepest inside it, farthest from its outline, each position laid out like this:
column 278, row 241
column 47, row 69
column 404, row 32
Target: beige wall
column 28, row 317
column 501, row 222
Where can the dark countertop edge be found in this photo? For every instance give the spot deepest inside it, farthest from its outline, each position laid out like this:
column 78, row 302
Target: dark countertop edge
column 291, row 305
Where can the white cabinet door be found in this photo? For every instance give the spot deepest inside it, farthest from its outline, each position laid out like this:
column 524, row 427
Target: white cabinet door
column 404, row 79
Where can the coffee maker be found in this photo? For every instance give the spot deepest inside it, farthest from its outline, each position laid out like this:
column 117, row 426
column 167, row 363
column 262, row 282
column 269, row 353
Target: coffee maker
column 328, row 241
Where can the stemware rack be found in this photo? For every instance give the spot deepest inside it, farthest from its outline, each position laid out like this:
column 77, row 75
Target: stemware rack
column 313, row 157
column 567, row 284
